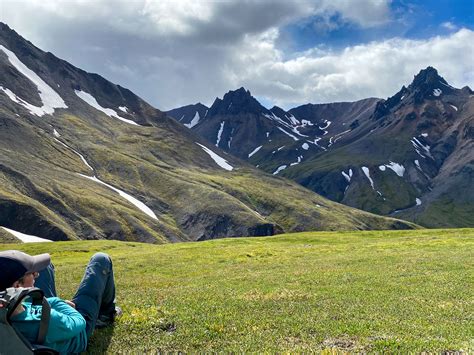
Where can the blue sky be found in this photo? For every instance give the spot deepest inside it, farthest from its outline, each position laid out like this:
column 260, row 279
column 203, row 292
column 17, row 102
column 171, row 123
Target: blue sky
column 411, row 19
column 286, row 52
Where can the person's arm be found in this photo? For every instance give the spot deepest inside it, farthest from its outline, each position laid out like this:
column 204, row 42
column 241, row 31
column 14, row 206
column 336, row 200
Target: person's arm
column 65, row 322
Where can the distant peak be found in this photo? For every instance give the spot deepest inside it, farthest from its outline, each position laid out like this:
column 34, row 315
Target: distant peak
column 236, row 102
column 278, row 111
column 428, row 76
column 241, row 92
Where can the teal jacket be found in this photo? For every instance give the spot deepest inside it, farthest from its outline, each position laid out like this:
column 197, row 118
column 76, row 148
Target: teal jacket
column 66, row 331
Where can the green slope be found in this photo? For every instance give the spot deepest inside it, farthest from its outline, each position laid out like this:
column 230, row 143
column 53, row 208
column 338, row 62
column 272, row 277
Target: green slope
column 398, row 291
column 161, row 166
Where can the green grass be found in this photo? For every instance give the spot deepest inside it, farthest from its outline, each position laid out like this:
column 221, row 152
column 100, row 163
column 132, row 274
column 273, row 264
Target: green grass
column 394, row 291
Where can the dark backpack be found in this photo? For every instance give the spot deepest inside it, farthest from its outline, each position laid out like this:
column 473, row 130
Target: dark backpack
column 11, row 340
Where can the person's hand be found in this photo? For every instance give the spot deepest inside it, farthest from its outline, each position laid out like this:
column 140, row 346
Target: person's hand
column 72, row 304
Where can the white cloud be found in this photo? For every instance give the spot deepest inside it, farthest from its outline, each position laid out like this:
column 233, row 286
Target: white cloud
column 376, row 69
column 173, row 53
column 366, row 13
column 449, row 26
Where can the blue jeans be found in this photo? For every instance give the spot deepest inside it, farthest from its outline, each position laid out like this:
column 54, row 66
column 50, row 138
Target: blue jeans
column 96, row 293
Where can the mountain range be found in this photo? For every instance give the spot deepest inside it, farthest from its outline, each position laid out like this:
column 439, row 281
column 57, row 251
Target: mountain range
column 83, row 158
column 409, row 156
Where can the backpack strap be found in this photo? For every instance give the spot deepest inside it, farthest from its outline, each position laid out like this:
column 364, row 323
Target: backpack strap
column 37, row 297
column 44, row 322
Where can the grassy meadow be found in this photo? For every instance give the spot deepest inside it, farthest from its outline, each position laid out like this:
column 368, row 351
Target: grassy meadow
column 394, row 291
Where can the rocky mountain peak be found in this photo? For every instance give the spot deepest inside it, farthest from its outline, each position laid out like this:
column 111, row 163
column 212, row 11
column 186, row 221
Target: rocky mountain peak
column 236, row 102
column 428, row 76
column 428, row 84
column 278, row 111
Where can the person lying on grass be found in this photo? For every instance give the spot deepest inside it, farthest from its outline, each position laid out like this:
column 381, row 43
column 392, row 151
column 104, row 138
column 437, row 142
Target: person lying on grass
column 71, row 322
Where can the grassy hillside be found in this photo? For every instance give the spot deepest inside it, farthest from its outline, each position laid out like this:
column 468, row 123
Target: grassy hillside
column 192, row 197
column 392, row 291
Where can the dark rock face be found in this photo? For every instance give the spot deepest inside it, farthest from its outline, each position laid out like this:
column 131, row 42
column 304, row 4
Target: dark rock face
column 411, row 116
column 445, row 148
column 28, row 220
column 236, row 123
column 186, row 114
column 469, row 131
column 203, row 226
column 426, row 84
column 332, row 184
column 236, row 102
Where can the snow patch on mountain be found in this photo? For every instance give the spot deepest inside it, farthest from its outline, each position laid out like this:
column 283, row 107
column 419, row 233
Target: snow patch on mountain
column 91, row 101
column 315, row 142
column 137, row 203
column 399, row 169
column 305, row 146
column 230, row 138
column 140, row 205
column 424, row 135
column 280, row 168
column 288, row 134
column 217, row 158
column 420, row 146
column 293, row 120
column 437, row 92
column 367, row 174
column 219, row 134
column 194, row 121
column 56, row 133
column 26, row 238
column 328, row 123
column 291, row 127
column 300, row 158
column 124, row 109
column 347, row 176
column 454, row 107
column 34, row 110
column 75, row 152
column 255, row 151
column 340, row 135
column 49, row 97
column 418, row 201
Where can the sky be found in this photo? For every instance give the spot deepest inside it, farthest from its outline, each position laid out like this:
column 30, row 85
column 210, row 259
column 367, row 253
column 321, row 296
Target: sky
column 286, row 52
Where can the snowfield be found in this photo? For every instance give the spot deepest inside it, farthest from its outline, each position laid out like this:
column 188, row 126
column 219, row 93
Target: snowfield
column 49, row 97
column 255, row 151
column 26, row 238
column 219, row 134
column 347, row 176
column 280, row 168
column 140, row 205
column 91, row 101
column 217, row 158
column 194, row 121
column 367, row 174
column 399, row 169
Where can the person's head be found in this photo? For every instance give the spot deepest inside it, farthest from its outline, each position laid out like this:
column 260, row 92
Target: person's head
column 18, row 269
